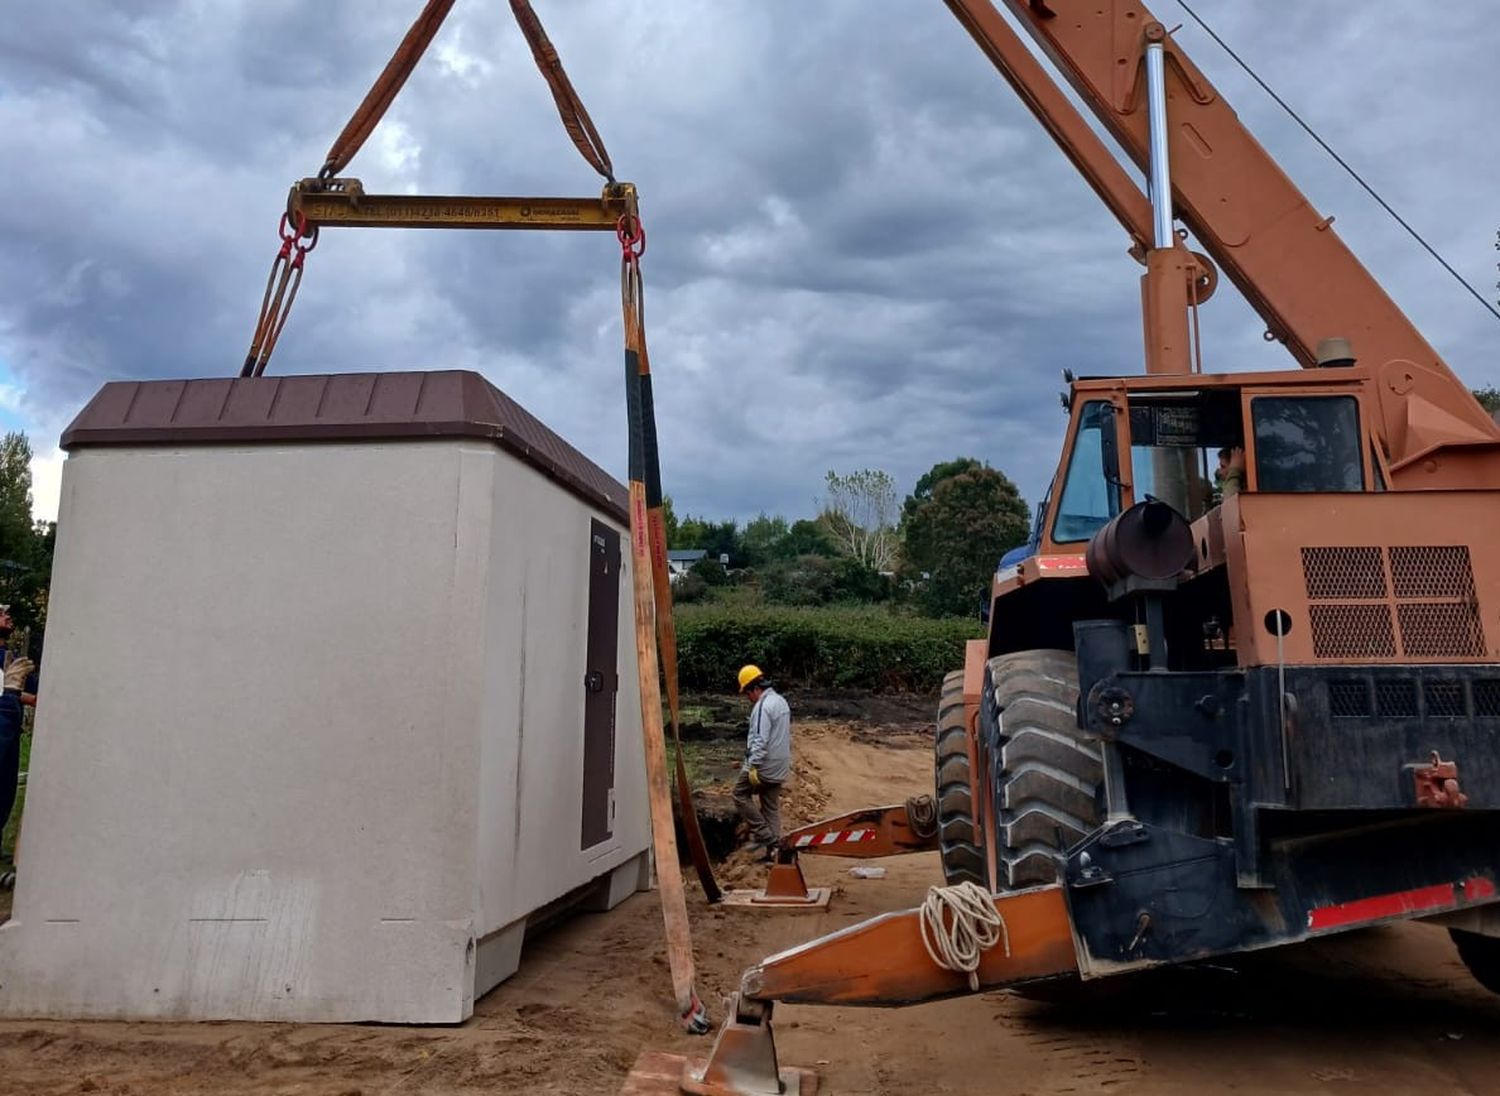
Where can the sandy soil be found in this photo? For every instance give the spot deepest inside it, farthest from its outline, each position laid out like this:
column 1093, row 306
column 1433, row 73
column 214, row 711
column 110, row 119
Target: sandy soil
column 1388, row 1010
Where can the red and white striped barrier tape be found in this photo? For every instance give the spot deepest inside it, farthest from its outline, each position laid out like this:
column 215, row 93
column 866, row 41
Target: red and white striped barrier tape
column 834, row 837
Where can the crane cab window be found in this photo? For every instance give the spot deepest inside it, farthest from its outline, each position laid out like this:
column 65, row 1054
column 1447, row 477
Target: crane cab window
column 1175, row 439
column 1307, row 443
column 1091, row 491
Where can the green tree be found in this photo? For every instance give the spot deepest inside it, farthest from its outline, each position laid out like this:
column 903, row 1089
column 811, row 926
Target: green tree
column 17, row 532
column 958, row 533
column 714, row 537
column 708, row 571
column 760, row 537
column 806, row 537
column 803, row 580
column 820, row 580
column 931, row 478
column 1489, row 398
column 25, row 545
column 669, row 521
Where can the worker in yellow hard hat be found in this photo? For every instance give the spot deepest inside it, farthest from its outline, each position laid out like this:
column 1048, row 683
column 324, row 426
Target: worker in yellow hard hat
column 768, row 761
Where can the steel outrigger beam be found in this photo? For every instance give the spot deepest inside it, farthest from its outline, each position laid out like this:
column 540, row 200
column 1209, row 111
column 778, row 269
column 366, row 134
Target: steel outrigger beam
column 870, row 832
column 882, row 962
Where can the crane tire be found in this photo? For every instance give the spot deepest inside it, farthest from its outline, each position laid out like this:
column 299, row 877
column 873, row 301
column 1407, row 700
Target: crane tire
column 963, row 862
column 1048, row 773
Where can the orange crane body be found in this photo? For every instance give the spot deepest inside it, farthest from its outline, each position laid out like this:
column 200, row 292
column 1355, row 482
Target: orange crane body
column 1217, row 710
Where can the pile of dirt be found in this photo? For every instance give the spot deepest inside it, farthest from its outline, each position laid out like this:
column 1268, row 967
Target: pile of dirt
column 891, row 720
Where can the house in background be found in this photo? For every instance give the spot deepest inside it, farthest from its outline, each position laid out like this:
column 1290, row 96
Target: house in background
column 681, row 561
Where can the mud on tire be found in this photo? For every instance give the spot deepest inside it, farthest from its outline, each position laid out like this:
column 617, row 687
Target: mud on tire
column 962, row 860
column 1047, row 772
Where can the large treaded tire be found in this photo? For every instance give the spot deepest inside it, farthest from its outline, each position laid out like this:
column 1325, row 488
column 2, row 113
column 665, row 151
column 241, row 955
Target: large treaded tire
column 1047, row 787
column 962, row 860
column 1481, row 954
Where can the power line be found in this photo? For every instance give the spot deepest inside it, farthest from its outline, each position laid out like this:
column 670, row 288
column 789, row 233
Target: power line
column 1282, row 103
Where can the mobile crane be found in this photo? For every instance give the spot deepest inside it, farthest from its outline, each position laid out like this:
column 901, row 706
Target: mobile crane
column 1207, row 718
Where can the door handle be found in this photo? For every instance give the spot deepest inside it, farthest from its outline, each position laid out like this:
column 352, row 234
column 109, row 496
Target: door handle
column 593, row 681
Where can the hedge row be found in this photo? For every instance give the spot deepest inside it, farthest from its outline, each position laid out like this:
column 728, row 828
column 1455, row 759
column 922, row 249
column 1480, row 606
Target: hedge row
column 856, row 647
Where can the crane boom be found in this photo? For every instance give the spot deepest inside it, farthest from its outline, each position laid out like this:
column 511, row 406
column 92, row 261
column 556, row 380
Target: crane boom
column 1250, row 218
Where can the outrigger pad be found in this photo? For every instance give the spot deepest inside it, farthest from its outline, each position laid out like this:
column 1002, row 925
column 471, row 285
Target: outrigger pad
column 817, row 899
column 785, row 889
column 659, row 1073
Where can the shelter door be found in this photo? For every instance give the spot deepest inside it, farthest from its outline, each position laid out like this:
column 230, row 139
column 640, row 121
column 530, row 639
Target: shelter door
column 601, row 684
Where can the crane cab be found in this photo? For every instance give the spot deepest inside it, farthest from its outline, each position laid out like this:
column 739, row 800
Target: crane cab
column 1263, row 466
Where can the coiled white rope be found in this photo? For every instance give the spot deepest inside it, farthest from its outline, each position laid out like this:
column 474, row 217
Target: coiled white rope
column 959, row 924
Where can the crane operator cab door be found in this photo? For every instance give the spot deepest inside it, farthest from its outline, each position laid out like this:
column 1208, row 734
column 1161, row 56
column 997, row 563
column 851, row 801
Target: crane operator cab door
column 1307, row 440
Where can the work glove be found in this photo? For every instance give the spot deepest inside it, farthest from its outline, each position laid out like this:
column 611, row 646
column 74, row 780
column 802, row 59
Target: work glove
column 17, row 673
column 753, row 772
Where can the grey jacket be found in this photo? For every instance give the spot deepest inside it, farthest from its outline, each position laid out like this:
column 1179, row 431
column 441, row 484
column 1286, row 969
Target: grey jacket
column 769, row 746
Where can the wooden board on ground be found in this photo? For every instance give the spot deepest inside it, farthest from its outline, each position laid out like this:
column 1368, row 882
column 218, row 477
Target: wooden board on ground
column 658, row 1073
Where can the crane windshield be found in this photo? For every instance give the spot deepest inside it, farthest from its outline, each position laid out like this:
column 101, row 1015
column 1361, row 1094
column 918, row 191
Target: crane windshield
column 1091, row 494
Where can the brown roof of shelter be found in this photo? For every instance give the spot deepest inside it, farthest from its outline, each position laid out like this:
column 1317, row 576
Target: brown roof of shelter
column 337, row 407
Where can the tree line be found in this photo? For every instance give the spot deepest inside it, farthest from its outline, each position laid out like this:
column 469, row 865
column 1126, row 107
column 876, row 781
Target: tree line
column 26, row 545
column 934, row 550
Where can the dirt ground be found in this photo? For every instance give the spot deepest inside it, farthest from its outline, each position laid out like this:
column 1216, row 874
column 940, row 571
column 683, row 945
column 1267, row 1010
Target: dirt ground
column 1389, row 1010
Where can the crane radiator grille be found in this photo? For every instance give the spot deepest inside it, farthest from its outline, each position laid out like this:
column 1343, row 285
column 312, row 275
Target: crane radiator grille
column 1371, row 602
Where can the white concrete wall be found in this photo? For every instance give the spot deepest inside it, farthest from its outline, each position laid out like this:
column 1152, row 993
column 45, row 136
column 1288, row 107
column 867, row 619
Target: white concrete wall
column 537, row 616
column 277, row 771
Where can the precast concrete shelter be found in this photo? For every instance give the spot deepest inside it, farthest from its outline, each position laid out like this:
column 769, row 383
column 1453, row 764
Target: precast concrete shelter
column 339, row 697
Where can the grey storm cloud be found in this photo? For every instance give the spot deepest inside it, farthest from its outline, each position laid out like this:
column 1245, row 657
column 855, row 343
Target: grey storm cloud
column 863, row 251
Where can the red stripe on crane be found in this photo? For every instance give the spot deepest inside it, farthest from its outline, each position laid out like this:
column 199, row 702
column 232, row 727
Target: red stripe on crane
column 1062, row 563
column 1382, row 906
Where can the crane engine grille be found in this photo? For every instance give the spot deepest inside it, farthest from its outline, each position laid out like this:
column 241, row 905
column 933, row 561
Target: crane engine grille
column 1372, row 602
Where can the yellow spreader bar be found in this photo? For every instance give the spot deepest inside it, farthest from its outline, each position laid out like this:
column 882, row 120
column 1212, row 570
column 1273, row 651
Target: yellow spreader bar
column 343, row 203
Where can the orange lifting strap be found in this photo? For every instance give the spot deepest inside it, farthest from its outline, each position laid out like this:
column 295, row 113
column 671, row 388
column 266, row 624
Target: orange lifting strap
column 298, row 237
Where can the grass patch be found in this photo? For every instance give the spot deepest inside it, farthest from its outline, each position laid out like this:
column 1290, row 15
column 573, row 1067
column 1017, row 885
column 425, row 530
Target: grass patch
column 696, row 713
column 711, row 762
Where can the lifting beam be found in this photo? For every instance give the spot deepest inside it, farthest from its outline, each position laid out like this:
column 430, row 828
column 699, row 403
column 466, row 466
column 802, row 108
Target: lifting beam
column 343, row 203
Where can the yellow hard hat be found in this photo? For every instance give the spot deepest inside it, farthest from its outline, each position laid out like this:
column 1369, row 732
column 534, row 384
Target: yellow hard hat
column 749, row 674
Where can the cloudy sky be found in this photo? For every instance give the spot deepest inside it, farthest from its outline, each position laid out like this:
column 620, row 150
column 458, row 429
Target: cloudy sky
column 863, row 251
